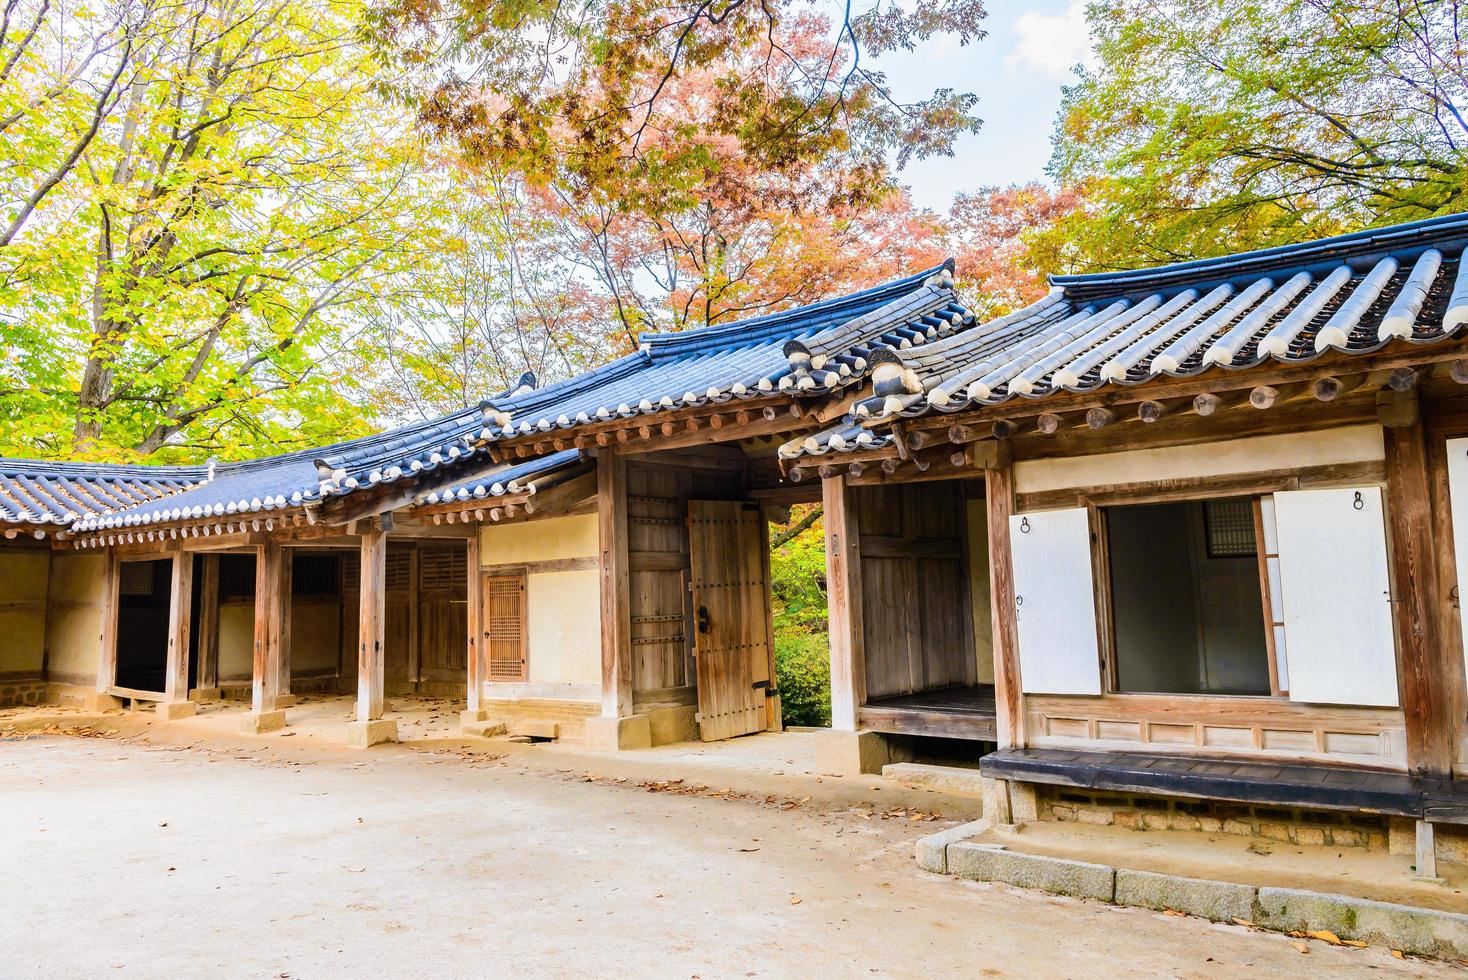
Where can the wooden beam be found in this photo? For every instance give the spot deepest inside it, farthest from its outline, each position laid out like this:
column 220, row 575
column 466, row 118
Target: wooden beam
column 616, row 599
column 1328, row 388
column 1458, row 371
column 999, row 505
column 180, row 608
column 474, row 667
column 107, row 663
column 1048, row 423
column 283, row 630
column 208, row 672
column 371, row 617
column 1100, row 418
column 1151, row 411
column 843, row 583
column 1424, row 676
column 265, row 687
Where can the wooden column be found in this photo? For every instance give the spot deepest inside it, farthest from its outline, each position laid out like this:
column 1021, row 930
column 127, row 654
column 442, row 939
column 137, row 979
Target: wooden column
column 107, row 661
column 1423, row 671
column 473, row 613
column 283, row 630
column 844, row 599
column 180, row 602
column 266, row 673
column 207, row 679
column 616, row 601
column 999, row 505
column 371, row 616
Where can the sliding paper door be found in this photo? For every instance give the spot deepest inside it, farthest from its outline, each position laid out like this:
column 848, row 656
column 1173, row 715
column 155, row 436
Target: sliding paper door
column 1055, row 602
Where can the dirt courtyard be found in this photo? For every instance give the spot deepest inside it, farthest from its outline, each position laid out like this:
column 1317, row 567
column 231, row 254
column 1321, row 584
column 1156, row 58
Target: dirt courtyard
column 153, row 853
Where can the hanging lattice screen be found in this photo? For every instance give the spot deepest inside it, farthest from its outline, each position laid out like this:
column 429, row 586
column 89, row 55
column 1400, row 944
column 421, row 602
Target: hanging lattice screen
column 442, row 569
column 1230, row 528
column 135, row 578
column 504, row 626
column 399, row 570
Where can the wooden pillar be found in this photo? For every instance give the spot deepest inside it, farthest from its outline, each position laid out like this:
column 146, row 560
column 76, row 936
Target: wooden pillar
column 999, row 505
column 473, row 613
column 107, row 661
column 265, row 713
column 844, row 599
column 207, row 679
column 370, row 619
column 616, row 600
column 1424, row 671
column 180, row 600
column 282, row 609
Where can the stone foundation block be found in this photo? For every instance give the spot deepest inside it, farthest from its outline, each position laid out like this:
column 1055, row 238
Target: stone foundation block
column 260, row 722
column 842, row 753
column 1024, row 802
column 673, row 724
column 1078, row 879
column 932, row 851
column 945, row 779
column 283, row 701
column 173, row 710
column 364, row 734
column 204, row 694
column 535, row 728
column 1412, row 930
column 617, row 734
column 483, row 728
column 1216, row 900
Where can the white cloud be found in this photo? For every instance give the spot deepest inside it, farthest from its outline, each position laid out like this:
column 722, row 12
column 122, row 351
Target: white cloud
column 1052, row 44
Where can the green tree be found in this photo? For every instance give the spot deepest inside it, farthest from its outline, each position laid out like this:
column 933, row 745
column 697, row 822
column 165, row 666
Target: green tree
column 200, row 198
column 1214, row 126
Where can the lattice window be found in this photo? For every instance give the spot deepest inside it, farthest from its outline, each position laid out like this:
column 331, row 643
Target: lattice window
column 504, row 626
column 236, row 577
column 136, row 578
column 351, row 572
column 1230, row 528
column 399, row 570
column 443, row 569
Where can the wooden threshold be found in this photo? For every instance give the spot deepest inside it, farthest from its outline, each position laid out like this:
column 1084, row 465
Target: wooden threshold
column 963, row 712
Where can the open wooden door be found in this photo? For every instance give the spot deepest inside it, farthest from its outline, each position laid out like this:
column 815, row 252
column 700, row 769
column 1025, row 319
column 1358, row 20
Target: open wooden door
column 731, row 603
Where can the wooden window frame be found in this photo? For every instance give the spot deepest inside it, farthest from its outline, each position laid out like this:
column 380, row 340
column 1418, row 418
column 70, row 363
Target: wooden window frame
column 521, row 577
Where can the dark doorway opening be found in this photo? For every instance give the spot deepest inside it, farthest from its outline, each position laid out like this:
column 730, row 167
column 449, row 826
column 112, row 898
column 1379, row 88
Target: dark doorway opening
column 142, row 623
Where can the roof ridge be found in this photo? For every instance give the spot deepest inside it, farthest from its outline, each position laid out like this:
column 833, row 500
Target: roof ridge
column 764, row 326
column 1334, row 250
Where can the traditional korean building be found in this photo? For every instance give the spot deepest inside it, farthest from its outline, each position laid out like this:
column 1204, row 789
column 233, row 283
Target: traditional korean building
column 1175, row 545
column 1206, row 512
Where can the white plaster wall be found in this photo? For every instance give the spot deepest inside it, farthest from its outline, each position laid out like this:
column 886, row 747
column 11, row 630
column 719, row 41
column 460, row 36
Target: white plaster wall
column 74, row 617
column 565, row 627
column 315, row 636
column 1349, row 444
column 237, row 641
column 24, row 579
column 543, row 540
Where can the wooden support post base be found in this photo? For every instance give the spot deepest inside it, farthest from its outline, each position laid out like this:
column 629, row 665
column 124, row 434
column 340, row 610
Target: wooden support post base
column 471, row 715
column 844, row 753
column 97, row 701
column 365, row 734
column 605, row 734
column 284, row 701
column 204, row 694
column 260, row 722
column 174, row 710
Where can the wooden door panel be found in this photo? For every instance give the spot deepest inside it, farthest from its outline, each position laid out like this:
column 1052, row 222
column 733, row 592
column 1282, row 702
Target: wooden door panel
column 731, row 602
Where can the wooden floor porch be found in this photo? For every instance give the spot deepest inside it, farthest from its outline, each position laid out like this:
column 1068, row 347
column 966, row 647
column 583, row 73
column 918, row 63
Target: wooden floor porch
column 952, row 712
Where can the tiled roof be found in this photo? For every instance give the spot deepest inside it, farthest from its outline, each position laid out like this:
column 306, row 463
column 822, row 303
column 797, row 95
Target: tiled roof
column 513, row 479
column 769, row 355
column 37, row 492
column 1354, row 294
column 783, row 352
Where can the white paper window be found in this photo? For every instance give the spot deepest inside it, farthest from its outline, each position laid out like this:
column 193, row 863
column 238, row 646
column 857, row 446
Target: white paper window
column 1055, row 602
column 1458, row 503
column 1335, row 589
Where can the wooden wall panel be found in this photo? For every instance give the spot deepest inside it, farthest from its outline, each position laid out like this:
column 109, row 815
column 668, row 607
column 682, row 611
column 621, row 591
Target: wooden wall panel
column 917, row 618
column 657, row 553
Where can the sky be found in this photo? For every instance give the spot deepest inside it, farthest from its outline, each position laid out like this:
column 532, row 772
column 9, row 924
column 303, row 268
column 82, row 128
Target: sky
column 1017, row 72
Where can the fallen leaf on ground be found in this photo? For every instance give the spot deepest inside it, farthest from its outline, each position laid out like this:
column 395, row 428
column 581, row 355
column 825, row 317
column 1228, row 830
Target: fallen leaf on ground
column 1243, row 922
column 1398, row 954
column 748, row 850
column 794, row 900
column 1325, row 936
column 1174, row 912
column 1302, row 947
